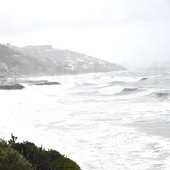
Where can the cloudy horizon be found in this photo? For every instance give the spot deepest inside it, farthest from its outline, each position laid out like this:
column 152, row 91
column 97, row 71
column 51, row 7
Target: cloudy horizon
column 135, row 33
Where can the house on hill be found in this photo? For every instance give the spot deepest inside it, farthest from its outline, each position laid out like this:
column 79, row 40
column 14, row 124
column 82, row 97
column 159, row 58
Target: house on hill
column 2, row 80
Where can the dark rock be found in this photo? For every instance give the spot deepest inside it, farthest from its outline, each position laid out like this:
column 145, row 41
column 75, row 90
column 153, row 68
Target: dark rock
column 47, row 83
column 12, row 87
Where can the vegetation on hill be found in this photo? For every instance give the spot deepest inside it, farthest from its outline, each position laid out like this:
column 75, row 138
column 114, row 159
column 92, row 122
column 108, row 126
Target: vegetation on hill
column 27, row 156
column 46, row 60
column 12, row 61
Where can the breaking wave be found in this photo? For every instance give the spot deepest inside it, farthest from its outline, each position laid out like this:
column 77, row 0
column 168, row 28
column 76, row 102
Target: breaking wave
column 160, row 95
column 126, row 91
column 143, row 79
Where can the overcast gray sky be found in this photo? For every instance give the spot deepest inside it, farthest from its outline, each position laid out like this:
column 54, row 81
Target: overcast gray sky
column 135, row 32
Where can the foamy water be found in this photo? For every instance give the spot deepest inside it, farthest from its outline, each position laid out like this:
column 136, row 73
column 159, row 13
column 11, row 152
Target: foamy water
column 103, row 121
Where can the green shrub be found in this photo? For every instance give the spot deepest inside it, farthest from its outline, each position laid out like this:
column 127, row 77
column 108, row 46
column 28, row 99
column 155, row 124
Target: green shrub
column 41, row 159
column 10, row 159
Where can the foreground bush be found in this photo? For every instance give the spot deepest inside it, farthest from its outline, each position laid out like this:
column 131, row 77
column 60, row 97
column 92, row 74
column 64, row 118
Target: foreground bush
column 27, row 156
column 10, row 159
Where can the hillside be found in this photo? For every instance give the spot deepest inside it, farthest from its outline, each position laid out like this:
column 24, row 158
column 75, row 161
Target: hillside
column 46, row 60
column 12, row 61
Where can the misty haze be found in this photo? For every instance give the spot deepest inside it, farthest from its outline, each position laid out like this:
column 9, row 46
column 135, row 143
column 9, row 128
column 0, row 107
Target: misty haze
column 85, row 85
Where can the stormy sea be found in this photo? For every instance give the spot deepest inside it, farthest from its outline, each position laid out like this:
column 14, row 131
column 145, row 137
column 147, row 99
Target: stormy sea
column 103, row 121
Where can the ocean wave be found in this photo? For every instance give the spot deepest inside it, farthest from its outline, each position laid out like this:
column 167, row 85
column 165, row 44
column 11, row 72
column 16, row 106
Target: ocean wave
column 109, row 90
column 160, row 95
column 117, row 82
column 85, row 84
column 143, row 79
column 127, row 91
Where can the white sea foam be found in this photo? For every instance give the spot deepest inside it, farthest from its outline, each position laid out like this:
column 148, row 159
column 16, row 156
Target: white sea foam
column 84, row 119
